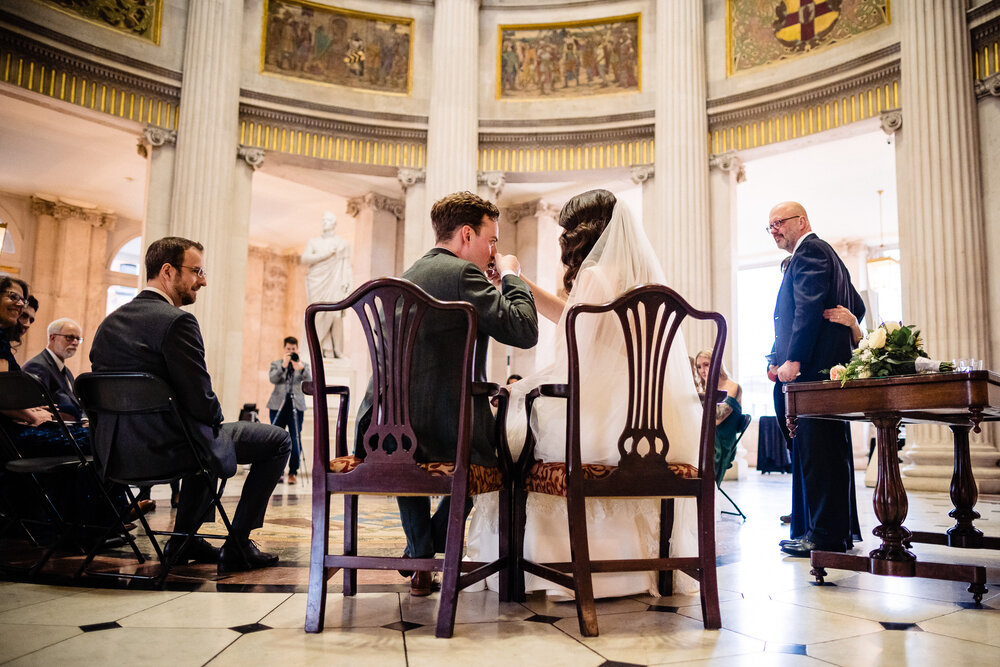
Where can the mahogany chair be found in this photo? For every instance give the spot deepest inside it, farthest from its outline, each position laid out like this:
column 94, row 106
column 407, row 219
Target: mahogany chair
column 649, row 316
column 391, row 311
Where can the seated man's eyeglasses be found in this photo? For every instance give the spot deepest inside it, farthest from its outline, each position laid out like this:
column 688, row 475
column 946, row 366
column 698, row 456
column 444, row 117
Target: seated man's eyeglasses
column 196, row 270
column 16, row 298
column 777, row 224
column 71, row 338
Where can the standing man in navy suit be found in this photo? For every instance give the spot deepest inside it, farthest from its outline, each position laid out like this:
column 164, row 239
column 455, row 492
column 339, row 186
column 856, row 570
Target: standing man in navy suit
column 824, row 509
column 49, row 366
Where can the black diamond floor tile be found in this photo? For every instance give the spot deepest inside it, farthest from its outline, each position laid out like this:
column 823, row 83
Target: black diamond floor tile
column 100, row 626
column 612, row 663
column 898, row 626
column 795, row 649
column 541, row 618
column 250, row 627
column 662, row 608
column 402, row 626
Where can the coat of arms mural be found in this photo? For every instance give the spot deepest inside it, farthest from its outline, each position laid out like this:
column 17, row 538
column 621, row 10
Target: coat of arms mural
column 763, row 32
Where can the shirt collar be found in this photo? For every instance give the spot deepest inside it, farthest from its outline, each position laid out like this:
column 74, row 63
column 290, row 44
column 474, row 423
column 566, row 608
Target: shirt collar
column 155, row 290
column 801, row 239
column 60, row 364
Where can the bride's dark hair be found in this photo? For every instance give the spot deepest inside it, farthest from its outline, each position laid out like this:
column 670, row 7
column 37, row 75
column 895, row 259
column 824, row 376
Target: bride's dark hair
column 583, row 219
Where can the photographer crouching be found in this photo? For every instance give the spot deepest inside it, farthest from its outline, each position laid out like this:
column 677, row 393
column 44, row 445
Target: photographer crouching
column 287, row 403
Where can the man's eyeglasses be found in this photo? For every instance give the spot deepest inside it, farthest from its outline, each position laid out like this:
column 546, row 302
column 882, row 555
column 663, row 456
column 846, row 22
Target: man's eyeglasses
column 71, row 338
column 16, row 298
column 777, row 224
column 196, row 270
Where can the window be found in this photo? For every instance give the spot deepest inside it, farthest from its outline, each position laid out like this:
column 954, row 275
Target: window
column 119, row 295
column 127, row 259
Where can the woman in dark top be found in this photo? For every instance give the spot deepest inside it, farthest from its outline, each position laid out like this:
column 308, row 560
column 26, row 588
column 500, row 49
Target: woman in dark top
column 728, row 416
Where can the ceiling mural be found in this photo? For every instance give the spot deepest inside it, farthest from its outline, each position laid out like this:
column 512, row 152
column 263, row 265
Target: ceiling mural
column 139, row 18
column 764, row 32
column 572, row 59
column 337, row 46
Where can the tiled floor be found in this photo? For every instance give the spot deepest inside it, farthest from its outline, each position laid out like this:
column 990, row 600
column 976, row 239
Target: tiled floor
column 772, row 613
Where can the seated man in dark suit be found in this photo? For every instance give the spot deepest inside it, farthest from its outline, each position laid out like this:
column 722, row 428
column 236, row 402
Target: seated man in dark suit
column 49, row 366
column 463, row 266
column 152, row 334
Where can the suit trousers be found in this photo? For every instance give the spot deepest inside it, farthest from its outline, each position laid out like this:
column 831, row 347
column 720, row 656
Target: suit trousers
column 425, row 534
column 266, row 449
column 290, row 418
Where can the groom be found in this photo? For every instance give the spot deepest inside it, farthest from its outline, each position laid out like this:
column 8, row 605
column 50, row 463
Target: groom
column 463, row 266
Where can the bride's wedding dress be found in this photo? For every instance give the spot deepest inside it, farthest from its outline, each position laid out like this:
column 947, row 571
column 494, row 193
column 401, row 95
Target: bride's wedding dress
column 617, row 528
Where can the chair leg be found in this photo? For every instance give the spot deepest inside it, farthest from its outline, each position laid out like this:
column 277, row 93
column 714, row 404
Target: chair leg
column 350, row 542
column 706, row 555
column 586, row 611
column 452, row 567
column 665, row 578
column 738, row 511
column 506, row 548
column 316, row 600
column 518, row 521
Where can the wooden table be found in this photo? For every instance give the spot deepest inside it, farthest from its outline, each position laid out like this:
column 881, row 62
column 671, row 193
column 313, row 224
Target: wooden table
column 960, row 400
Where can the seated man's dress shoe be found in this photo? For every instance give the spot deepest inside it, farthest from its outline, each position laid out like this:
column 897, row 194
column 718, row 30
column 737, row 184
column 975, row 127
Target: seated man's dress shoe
column 252, row 558
column 801, row 548
column 422, row 584
column 785, row 518
column 197, row 550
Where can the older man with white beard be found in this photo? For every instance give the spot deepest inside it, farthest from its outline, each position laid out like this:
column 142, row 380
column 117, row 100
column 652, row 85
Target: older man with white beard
column 49, row 366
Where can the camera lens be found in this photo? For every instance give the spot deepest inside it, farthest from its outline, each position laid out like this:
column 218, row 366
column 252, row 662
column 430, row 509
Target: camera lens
column 294, row 356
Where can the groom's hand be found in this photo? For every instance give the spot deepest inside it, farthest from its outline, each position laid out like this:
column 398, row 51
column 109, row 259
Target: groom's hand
column 504, row 264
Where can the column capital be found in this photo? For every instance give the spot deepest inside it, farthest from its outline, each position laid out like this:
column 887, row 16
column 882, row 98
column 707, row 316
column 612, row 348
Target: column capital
column 892, row 121
column 253, row 156
column 988, row 86
column 375, row 202
column 410, row 176
column 728, row 162
column 494, row 180
column 642, row 172
column 526, row 209
column 154, row 137
column 61, row 210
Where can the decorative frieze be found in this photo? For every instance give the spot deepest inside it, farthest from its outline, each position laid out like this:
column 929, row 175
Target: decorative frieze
column 376, row 202
column 61, row 210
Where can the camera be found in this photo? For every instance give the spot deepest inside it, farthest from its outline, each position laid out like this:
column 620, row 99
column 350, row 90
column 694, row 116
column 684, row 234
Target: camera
column 294, row 356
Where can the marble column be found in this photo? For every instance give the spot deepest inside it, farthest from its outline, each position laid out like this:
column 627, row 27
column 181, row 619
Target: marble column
column 453, row 120
column 70, row 260
column 988, row 108
column 941, row 228
column 726, row 174
column 678, row 223
column 490, row 185
column 418, row 235
column 202, row 206
column 158, row 147
column 536, row 244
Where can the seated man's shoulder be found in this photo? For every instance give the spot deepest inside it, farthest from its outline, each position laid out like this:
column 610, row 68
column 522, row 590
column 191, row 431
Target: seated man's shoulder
column 36, row 364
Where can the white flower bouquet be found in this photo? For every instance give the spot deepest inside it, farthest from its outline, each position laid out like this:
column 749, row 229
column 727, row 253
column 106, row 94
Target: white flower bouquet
column 890, row 349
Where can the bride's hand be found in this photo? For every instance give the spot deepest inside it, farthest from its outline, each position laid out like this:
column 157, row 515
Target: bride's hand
column 502, row 264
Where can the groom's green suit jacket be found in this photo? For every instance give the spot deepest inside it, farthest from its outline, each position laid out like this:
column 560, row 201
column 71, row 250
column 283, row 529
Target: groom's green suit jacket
column 507, row 315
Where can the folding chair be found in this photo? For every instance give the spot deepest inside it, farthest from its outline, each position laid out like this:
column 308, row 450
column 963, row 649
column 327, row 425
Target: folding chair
column 391, row 311
column 114, row 395
column 727, row 462
column 19, row 391
column 650, row 316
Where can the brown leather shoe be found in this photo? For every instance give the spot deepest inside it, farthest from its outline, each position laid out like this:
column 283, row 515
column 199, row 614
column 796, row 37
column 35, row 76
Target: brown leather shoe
column 421, row 584
column 142, row 507
column 785, row 518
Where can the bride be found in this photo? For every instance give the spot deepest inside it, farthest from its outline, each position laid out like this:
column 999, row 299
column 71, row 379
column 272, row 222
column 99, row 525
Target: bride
column 605, row 252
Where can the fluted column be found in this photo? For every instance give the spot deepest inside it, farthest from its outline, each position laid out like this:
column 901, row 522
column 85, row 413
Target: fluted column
column 158, row 147
column 678, row 225
column 202, row 206
column 726, row 173
column 453, row 121
column 941, row 233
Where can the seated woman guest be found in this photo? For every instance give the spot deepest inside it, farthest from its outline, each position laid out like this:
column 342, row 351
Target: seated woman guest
column 728, row 414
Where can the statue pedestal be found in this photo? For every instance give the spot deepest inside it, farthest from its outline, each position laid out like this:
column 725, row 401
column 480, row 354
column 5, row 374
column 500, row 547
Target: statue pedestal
column 338, row 372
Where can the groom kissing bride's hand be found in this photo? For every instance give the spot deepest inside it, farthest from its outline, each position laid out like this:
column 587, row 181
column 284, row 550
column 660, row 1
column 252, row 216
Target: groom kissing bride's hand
column 500, row 266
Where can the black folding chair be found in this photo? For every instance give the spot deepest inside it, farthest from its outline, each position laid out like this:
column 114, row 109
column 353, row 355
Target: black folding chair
column 115, row 395
column 20, row 391
column 744, row 424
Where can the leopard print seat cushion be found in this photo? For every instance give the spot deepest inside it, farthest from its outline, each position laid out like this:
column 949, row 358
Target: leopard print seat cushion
column 482, row 479
column 550, row 477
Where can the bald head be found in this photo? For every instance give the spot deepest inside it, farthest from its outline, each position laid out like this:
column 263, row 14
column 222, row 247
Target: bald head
column 788, row 223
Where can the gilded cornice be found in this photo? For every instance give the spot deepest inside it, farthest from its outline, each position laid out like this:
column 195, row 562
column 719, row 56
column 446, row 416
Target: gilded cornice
column 360, row 114
column 292, row 120
column 580, row 138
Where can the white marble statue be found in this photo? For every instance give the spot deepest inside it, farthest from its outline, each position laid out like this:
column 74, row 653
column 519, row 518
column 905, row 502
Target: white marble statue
column 328, row 279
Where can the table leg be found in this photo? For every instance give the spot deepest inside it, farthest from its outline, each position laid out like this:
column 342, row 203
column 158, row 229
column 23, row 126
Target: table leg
column 963, row 495
column 890, row 504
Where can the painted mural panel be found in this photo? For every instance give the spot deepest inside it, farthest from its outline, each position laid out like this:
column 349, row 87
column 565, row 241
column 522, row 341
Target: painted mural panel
column 331, row 45
column 139, row 18
column 572, row 59
column 763, row 32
